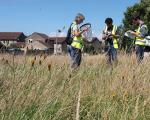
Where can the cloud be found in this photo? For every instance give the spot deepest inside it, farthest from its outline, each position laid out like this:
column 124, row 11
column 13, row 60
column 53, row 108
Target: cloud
column 53, row 34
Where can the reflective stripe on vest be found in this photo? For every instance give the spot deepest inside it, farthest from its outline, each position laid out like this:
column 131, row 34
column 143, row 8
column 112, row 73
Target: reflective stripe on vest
column 139, row 41
column 77, row 41
column 115, row 41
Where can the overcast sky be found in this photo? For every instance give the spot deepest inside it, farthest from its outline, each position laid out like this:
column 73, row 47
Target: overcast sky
column 47, row 16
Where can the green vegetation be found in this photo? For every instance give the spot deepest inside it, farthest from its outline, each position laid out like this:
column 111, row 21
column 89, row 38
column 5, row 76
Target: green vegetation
column 43, row 88
column 142, row 8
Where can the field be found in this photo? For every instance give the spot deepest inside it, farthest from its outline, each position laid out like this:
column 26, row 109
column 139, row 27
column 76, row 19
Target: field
column 44, row 88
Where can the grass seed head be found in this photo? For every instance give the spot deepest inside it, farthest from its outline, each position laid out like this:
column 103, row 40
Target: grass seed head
column 40, row 62
column 35, row 58
column 3, row 59
column 45, row 56
column 6, row 62
column 49, row 66
column 41, row 55
column 32, row 63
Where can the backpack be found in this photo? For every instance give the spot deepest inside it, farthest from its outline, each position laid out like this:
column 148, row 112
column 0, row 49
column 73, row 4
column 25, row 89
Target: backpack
column 69, row 38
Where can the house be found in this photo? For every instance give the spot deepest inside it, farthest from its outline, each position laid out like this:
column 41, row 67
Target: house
column 12, row 39
column 59, row 44
column 39, row 42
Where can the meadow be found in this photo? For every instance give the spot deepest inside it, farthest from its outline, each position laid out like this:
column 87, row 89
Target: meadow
column 44, row 88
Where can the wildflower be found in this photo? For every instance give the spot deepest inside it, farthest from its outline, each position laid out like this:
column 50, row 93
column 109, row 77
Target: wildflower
column 113, row 94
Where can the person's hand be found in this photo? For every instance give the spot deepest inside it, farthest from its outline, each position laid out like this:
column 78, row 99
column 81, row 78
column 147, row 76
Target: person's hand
column 85, row 30
column 131, row 32
column 110, row 36
column 104, row 37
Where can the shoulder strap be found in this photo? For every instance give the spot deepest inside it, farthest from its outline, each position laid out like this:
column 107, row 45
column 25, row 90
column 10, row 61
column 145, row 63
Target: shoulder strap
column 69, row 31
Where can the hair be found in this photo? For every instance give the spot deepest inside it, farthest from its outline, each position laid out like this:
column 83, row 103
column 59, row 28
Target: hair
column 135, row 16
column 80, row 15
column 109, row 20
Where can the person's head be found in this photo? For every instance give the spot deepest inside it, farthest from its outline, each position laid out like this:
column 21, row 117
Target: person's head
column 109, row 22
column 79, row 18
column 136, row 19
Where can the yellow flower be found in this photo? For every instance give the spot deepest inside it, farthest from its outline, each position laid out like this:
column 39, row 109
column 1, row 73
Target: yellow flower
column 113, row 94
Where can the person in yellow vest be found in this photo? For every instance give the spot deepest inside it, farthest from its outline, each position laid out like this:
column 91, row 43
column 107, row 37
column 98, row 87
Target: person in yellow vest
column 75, row 49
column 111, row 35
column 140, row 34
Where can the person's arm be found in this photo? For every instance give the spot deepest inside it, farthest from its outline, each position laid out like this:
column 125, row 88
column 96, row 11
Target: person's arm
column 104, row 36
column 142, row 34
column 78, row 33
column 135, row 34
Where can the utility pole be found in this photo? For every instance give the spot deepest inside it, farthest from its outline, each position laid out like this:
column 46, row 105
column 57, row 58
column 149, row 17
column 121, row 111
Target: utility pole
column 57, row 33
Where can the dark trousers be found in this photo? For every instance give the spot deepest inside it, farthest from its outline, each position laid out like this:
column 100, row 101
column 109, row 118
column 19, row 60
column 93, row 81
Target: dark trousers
column 139, row 53
column 69, row 49
column 111, row 55
column 75, row 56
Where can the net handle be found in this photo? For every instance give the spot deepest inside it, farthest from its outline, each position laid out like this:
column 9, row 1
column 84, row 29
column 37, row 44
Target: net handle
column 86, row 25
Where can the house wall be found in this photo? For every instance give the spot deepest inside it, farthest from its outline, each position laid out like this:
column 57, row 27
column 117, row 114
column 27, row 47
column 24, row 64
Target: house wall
column 60, row 48
column 36, row 45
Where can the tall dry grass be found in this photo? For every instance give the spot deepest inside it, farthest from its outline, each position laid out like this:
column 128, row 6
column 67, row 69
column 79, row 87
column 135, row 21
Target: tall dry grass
column 43, row 88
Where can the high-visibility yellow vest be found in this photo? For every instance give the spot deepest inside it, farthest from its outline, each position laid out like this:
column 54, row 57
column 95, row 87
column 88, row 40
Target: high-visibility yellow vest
column 115, row 41
column 77, row 41
column 139, row 40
